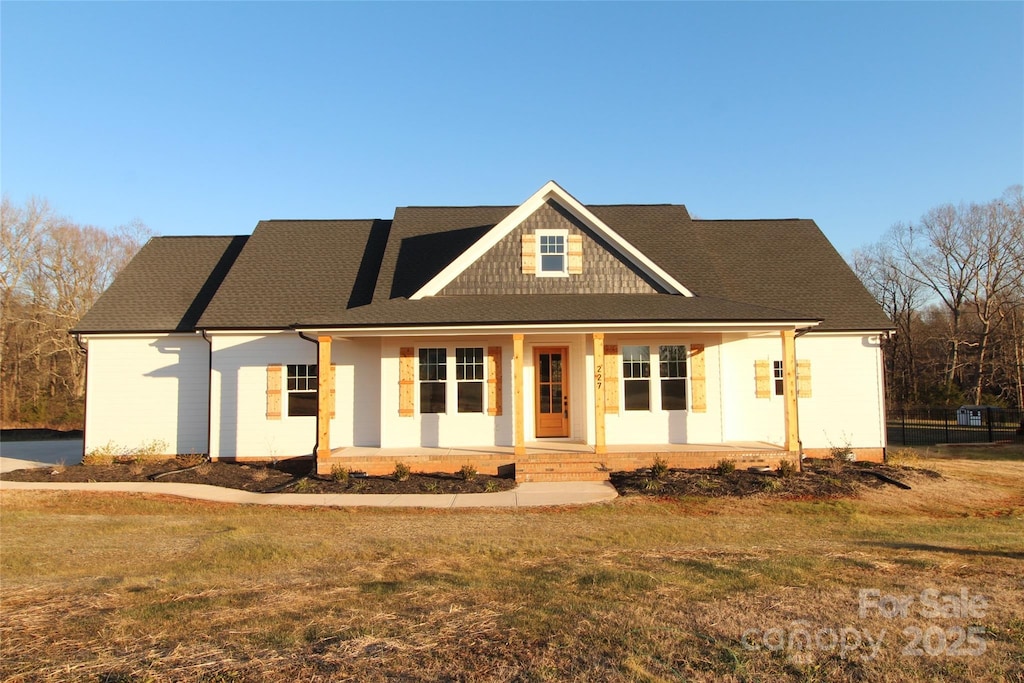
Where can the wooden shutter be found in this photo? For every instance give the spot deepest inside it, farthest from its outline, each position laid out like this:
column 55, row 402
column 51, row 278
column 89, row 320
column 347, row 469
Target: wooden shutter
column 529, row 254
column 698, row 379
column 333, row 395
column 494, row 380
column 273, row 392
column 611, row 378
column 762, row 379
column 803, row 379
column 406, row 380
column 575, row 254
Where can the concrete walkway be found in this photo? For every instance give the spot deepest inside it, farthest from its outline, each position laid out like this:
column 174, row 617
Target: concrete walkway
column 15, row 455
column 536, row 494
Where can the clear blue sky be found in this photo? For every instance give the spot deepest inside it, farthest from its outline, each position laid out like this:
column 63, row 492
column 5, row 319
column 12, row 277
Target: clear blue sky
column 203, row 118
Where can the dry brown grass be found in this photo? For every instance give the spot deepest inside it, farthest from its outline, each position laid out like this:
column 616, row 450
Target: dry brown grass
column 130, row 588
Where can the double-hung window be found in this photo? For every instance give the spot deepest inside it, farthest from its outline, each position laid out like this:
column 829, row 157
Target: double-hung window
column 636, row 377
column 673, row 377
column 552, row 247
column 777, row 374
column 469, row 375
column 433, row 378
column 302, row 386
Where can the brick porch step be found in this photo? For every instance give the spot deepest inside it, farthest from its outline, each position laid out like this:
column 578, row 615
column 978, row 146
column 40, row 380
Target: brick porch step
column 553, row 470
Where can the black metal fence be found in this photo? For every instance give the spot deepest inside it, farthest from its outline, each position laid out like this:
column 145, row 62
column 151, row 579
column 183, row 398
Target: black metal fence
column 968, row 424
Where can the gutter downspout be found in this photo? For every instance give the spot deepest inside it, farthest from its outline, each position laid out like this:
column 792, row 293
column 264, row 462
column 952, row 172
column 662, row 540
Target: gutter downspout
column 316, row 441
column 209, row 398
column 85, row 386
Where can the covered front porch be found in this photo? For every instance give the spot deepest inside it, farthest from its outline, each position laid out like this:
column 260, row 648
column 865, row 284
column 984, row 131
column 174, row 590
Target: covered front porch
column 551, row 461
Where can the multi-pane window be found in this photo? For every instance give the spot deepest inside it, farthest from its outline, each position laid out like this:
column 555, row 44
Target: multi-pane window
column 469, row 374
column 777, row 374
column 301, row 390
column 636, row 375
column 672, row 367
column 433, row 376
column 552, row 253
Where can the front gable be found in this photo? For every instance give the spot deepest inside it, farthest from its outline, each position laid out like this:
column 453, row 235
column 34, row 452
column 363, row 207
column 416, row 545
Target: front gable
column 599, row 269
column 616, row 266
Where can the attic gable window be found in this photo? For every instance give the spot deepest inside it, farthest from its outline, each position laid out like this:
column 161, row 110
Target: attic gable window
column 551, row 248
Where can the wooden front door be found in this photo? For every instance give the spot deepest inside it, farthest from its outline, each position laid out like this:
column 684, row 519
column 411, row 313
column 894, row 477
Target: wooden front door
column 551, row 369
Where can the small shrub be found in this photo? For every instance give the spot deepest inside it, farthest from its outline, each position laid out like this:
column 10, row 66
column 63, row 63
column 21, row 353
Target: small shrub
column 467, row 472
column 652, row 485
column 154, row 447
column 491, row 486
column 786, row 468
column 660, row 468
column 433, row 487
column 842, row 453
column 304, row 486
column 770, row 485
column 401, row 472
column 59, row 467
column 190, row 459
column 340, row 473
column 98, row 457
column 726, row 466
column 136, row 468
column 204, row 468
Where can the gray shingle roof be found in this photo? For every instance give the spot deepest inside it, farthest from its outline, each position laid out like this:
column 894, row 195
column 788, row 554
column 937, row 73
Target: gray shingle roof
column 166, row 287
column 360, row 273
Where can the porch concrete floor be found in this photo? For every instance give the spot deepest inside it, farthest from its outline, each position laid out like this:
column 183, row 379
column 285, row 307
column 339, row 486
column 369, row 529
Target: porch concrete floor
column 548, row 447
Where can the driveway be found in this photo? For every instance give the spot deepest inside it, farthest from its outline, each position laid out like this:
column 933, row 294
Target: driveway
column 19, row 455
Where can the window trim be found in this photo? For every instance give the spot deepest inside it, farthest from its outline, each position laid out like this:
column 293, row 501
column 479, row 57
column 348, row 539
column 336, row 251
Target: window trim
column 482, row 380
column 306, row 377
column 451, row 381
column 636, row 380
column 685, row 377
column 654, row 393
column 564, row 235
column 442, row 363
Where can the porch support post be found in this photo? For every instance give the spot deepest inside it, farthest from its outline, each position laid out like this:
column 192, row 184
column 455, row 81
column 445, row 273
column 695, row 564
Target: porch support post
column 517, row 395
column 599, row 438
column 323, row 397
column 789, row 391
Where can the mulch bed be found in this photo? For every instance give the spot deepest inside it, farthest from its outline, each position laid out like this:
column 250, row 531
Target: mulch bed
column 260, row 478
column 820, row 479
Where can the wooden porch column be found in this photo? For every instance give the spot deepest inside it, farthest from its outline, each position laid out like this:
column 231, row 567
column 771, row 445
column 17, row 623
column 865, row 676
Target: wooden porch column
column 789, row 391
column 599, row 374
column 517, row 395
column 323, row 398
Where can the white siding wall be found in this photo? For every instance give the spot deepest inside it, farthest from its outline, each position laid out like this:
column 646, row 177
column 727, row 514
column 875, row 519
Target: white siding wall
column 239, row 424
column 659, row 426
column 450, row 429
column 746, row 417
column 847, row 404
column 357, row 393
column 142, row 389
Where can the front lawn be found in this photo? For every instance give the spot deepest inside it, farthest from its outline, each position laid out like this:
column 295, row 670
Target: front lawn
column 105, row 587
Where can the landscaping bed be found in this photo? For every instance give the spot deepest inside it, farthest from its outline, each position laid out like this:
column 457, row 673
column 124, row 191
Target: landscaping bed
column 820, row 479
column 289, row 476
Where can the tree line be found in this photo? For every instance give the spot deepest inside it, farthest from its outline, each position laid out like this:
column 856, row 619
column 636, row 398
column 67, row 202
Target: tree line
column 51, row 272
column 953, row 285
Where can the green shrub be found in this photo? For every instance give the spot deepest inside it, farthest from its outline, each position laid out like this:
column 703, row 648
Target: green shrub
column 401, row 472
column 652, row 485
column 467, row 472
column 842, row 453
column 491, row 486
column 726, row 466
column 769, row 485
column 787, row 468
column 340, row 473
column 660, row 468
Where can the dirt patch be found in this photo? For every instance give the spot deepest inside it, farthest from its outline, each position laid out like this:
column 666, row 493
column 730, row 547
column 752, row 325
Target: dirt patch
column 820, row 479
column 293, row 476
